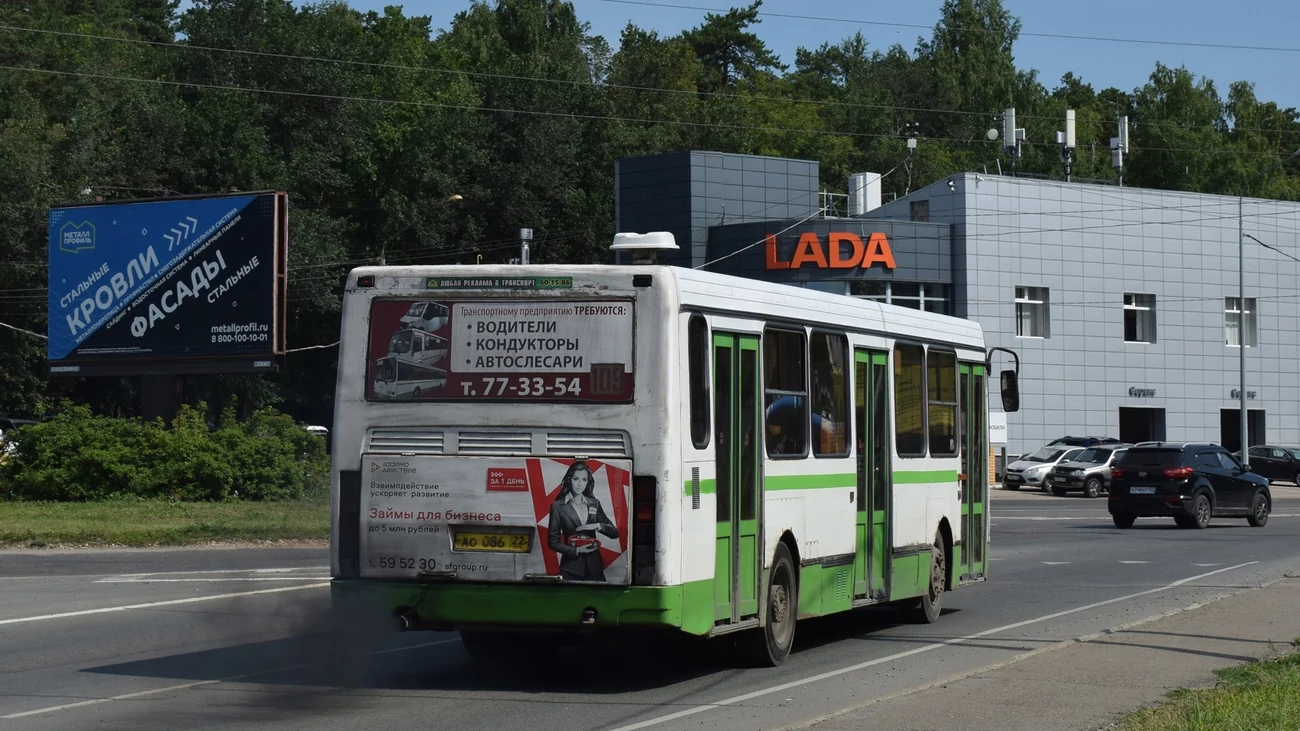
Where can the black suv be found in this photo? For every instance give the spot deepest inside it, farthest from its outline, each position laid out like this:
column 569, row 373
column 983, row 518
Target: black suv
column 1189, row 482
column 1069, row 441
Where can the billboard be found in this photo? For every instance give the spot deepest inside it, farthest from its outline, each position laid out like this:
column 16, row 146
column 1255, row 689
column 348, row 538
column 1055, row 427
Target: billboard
column 496, row 518
column 445, row 349
column 192, row 284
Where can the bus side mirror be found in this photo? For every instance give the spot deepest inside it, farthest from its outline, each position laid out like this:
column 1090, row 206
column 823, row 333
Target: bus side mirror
column 1010, row 392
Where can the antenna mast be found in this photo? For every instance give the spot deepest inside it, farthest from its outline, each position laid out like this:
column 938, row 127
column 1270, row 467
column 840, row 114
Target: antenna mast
column 1066, row 141
column 1119, row 146
column 1013, row 136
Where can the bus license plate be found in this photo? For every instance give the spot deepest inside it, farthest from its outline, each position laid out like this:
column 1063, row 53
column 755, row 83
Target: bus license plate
column 492, row 542
column 1141, row 490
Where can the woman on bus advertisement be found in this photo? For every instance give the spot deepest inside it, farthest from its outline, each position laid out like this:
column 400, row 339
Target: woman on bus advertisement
column 576, row 519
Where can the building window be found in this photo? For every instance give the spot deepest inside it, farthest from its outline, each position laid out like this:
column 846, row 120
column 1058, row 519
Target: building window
column 1232, row 322
column 1032, row 316
column 920, row 210
column 830, row 395
column 785, row 382
column 697, row 356
column 1139, row 318
column 909, row 399
column 915, row 295
column 941, row 381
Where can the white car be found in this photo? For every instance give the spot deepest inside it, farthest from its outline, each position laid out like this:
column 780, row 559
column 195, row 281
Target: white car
column 1032, row 469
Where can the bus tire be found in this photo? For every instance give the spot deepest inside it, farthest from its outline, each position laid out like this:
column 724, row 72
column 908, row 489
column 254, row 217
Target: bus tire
column 928, row 608
column 770, row 646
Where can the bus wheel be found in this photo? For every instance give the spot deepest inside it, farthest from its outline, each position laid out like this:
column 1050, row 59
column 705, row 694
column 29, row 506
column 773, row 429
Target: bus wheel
column 770, row 646
column 927, row 609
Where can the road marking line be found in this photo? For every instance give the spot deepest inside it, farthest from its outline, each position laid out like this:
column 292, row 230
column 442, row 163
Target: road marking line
column 1135, row 562
column 1100, row 517
column 1056, row 563
column 112, row 577
column 1018, row 658
column 916, row 651
column 1206, row 565
column 183, row 686
column 168, row 603
column 148, row 580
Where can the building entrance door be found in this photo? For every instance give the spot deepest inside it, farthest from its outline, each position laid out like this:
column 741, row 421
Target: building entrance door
column 1141, row 424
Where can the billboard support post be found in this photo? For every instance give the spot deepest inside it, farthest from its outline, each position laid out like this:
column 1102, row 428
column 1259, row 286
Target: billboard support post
column 160, row 397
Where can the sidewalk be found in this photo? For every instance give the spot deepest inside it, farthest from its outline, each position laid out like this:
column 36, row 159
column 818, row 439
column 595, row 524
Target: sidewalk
column 1089, row 684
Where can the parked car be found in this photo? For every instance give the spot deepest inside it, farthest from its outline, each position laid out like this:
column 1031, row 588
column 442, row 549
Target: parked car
column 1189, row 482
column 1275, row 463
column 1032, row 468
column 1089, row 471
column 1069, row 441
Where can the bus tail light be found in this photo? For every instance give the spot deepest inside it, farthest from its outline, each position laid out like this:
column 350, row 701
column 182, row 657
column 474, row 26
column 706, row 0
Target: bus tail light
column 350, row 522
column 643, row 530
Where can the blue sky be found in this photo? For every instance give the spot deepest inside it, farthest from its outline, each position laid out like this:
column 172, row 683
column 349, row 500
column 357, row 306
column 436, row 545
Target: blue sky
column 1252, row 23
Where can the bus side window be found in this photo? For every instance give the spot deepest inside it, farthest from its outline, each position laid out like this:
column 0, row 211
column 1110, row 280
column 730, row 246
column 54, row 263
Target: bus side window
column 909, row 399
column 785, row 393
column 697, row 347
column 941, row 415
column 830, row 380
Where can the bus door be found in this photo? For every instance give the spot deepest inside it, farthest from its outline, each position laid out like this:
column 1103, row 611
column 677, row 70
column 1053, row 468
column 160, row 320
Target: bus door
column 871, row 412
column 736, row 403
column 974, row 468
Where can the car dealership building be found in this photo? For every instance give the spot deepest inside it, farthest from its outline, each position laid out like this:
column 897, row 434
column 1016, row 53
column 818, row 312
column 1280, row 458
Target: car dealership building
column 1121, row 302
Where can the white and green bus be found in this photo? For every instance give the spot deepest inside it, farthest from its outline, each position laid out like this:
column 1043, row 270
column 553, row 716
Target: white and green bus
column 651, row 447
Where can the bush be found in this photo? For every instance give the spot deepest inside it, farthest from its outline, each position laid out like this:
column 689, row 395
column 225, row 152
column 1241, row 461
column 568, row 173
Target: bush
column 78, row 456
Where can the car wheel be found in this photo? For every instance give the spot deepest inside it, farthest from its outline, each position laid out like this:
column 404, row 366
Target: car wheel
column 1058, row 491
column 1258, row 511
column 1296, row 480
column 770, row 646
column 1092, row 488
column 1010, row 487
column 1123, row 520
column 1201, row 510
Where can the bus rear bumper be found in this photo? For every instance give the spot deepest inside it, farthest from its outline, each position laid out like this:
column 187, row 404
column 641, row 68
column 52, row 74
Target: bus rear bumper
column 450, row 606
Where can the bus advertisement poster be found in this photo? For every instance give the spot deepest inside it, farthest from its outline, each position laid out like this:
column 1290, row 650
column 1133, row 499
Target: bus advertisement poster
column 496, row 519
column 179, row 285
column 501, row 350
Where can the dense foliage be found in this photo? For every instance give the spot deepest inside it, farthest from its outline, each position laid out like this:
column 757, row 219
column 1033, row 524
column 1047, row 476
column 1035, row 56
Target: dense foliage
column 79, row 456
column 372, row 121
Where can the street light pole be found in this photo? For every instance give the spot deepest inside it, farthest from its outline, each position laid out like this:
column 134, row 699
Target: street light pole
column 1241, row 301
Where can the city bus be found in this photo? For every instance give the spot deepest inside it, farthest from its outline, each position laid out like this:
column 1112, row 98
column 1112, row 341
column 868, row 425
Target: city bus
column 418, row 346
column 395, row 376
column 426, row 315
column 647, row 447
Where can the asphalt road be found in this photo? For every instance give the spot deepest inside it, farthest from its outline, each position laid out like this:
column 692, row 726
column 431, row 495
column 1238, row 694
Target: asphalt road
column 237, row 639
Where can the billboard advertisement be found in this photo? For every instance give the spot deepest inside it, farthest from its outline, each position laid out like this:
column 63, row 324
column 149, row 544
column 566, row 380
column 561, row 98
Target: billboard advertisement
column 502, row 350
column 495, row 519
column 175, row 285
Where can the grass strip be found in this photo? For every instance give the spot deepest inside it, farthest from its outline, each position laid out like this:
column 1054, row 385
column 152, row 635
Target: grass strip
column 1258, row 696
column 160, row 522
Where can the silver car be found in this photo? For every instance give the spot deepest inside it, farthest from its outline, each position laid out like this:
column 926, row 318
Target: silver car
column 1088, row 471
column 1032, row 469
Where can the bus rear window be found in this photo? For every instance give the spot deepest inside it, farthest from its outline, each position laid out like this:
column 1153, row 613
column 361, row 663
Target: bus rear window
column 438, row 350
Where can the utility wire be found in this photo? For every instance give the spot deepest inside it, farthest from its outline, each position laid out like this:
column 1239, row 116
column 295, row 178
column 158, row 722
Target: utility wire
column 584, row 83
column 570, row 115
column 1058, row 36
